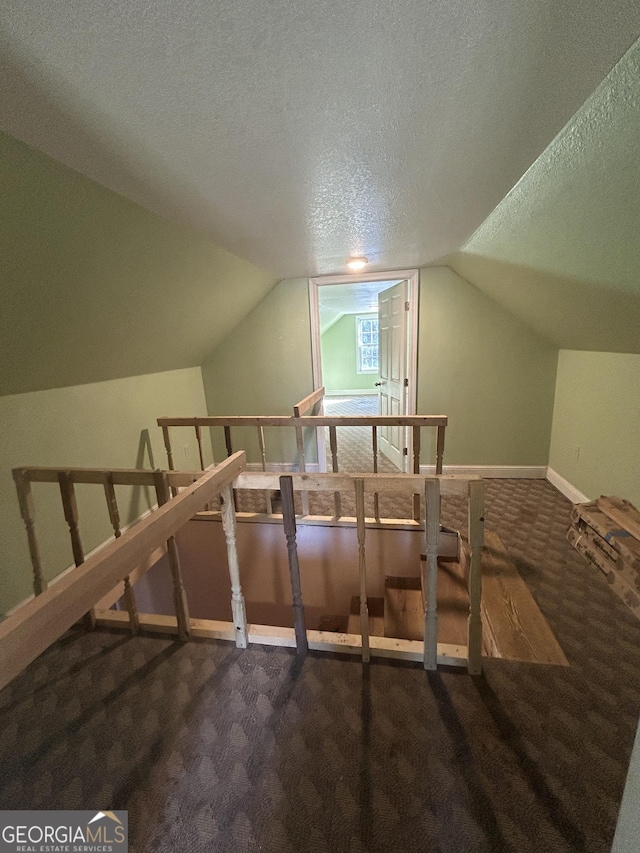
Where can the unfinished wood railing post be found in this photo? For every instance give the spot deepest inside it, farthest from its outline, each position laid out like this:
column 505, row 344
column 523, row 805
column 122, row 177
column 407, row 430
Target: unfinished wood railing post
column 25, row 500
column 167, row 446
column 263, row 457
column 179, row 594
column 333, row 443
column 476, row 541
column 198, row 429
column 416, row 470
column 70, row 508
column 440, row 449
column 237, row 598
column 374, row 442
column 229, row 446
column 114, row 517
column 289, row 520
column 302, row 465
column 307, row 404
column 432, row 529
column 362, row 570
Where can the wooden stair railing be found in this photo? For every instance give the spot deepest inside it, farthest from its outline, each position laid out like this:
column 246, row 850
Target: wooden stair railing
column 437, row 542
column 38, row 623
column 300, row 421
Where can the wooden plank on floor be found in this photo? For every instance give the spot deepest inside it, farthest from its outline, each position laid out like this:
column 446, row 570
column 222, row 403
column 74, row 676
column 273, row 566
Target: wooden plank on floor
column 376, row 616
column 515, row 623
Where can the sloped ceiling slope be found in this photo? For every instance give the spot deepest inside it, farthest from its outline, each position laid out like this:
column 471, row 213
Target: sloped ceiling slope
column 94, row 287
column 299, row 133
column 562, row 250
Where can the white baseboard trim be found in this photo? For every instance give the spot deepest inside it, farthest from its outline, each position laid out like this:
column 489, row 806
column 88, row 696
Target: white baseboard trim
column 284, row 467
column 515, row 472
column 565, row 487
column 353, row 392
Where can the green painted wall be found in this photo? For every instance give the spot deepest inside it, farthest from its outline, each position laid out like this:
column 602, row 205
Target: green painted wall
column 340, row 358
column 597, row 409
column 264, row 367
column 489, row 372
column 94, row 287
column 561, row 251
column 105, row 424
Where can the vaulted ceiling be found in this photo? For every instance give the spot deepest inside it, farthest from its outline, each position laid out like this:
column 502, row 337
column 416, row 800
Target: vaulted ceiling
column 491, row 136
column 297, row 134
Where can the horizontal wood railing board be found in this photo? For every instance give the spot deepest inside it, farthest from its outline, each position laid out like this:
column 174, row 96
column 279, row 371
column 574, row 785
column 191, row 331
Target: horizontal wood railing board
column 309, row 421
column 41, row 621
column 269, row 635
column 308, row 402
column 134, row 576
column 450, row 484
column 316, row 520
column 99, row 476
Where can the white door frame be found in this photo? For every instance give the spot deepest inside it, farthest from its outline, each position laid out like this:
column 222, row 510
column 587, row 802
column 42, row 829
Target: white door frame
column 413, row 277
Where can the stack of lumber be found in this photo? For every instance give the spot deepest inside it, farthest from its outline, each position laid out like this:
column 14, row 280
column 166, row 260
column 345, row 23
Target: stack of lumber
column 607, row 533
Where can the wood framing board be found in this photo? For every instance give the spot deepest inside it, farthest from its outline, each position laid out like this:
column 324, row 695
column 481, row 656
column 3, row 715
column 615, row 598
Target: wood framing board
column 516, row 624
column 268, row 635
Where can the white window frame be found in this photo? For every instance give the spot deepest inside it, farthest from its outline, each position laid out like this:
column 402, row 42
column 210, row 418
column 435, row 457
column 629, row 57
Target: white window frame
column 360, row 370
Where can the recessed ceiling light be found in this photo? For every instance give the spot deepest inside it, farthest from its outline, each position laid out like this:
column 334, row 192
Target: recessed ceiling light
column 356, row 264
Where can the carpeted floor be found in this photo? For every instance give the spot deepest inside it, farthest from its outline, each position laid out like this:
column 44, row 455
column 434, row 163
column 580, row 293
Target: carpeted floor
column 355, row 453
column 215, row 749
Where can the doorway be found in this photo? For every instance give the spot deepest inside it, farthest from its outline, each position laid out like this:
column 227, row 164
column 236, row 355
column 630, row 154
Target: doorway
column 364, row 331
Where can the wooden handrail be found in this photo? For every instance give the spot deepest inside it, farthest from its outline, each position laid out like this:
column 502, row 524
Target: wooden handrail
column 102, row 476
column 401, row 484
column 308, row 402
column 310, row 421
column 40, row 622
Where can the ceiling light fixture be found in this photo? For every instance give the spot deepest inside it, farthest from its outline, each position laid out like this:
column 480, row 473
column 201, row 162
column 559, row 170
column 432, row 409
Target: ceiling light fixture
column 356, row 264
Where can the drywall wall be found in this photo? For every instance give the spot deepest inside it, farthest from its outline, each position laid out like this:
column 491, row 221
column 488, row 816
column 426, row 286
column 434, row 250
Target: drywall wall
column 561, row 251
column 595, row 440
column 105, row 424
column 263, row 368
column 487, row 371
column 94, row 287
column 339, row 347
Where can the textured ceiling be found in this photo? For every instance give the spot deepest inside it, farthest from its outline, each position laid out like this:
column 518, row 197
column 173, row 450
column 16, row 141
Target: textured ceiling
column 335, row 300
column 562, row 250
column 296, row 134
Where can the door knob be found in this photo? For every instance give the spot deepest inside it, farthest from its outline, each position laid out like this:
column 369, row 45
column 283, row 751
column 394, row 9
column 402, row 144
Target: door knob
column 378, row 383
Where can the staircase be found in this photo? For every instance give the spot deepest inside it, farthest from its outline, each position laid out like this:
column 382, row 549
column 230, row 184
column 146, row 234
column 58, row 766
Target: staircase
column 400, row 613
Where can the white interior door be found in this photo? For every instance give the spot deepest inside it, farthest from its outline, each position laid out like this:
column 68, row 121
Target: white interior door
column 392, row 343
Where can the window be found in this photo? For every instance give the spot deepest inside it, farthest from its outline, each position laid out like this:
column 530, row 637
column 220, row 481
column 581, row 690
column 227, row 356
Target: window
column 367, row 331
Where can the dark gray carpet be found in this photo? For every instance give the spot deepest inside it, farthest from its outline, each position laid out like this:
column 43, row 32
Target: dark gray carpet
column 214, row 749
